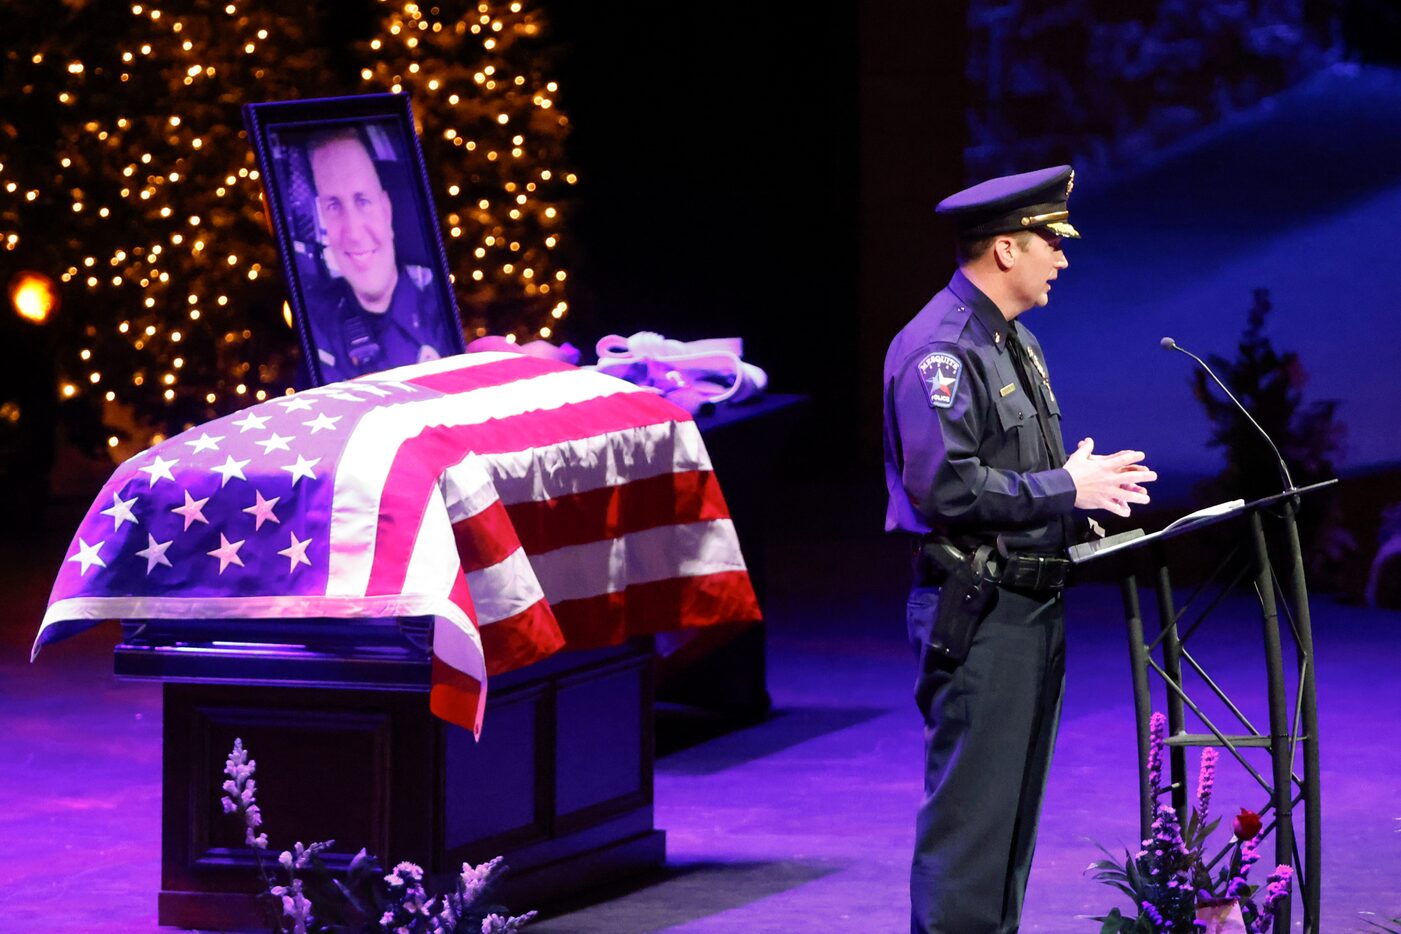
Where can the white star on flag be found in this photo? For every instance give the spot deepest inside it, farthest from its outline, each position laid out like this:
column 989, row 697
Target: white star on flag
column 227, row 553
column 262, row 510
column 296, row 552
column 205, row 443
column 230, row 468
column 120, row 511
column 160, row 470
column 276, row 443
column 88, row 556
column 296, row 403
column 154, row 552
column 372, row 389
column 192, row 510
column 944, row 382
column 323, row 421
column 302, row 468
column 251, row 421
column 344, row 396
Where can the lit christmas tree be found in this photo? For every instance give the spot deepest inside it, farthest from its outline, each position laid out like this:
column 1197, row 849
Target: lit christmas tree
column 493, row 140
column 126, row 176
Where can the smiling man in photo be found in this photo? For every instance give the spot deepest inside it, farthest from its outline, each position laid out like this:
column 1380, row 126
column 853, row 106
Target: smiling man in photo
column 379, row 313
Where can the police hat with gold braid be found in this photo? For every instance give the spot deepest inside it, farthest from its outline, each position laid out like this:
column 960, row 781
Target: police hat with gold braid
column 1014, row 202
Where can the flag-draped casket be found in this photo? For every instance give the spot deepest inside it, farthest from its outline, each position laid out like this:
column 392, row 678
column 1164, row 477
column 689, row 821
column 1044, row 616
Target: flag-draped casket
column 525, row 505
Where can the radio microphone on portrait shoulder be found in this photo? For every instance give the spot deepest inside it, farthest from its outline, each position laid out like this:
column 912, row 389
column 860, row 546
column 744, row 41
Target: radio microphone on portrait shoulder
column 1167, row 343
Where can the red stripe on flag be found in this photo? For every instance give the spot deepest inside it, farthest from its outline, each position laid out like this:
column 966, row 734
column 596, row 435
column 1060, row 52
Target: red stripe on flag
column 593, row 515
column 486, row 538
column 455, row 696
column 640, row 609
column 422, row 458
column 484, row 375
column 461, row 595
column 522, row 639
column 571, row 421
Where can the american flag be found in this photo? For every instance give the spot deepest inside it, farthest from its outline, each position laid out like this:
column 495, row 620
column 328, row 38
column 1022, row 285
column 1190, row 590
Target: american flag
column 525, row 504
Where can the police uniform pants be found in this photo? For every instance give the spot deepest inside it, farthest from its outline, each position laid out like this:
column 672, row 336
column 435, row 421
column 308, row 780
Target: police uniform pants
column 990, row 725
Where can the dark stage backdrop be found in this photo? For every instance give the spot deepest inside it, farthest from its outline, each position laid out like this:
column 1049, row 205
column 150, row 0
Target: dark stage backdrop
column 716, row 151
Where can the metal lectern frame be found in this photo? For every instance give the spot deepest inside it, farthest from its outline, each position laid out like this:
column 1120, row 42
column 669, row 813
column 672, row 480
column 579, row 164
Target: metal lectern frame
column 1269, row 522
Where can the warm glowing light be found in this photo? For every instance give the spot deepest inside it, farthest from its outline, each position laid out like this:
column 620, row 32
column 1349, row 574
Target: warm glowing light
column 112, row 441
column 69, row 390
column 33, row 296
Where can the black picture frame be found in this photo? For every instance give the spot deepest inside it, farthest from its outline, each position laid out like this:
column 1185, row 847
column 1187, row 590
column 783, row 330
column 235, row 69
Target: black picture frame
column 338, row 247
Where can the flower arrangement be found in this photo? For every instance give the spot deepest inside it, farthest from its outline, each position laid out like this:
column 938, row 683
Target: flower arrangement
column 1172, row 886
column 304, row 897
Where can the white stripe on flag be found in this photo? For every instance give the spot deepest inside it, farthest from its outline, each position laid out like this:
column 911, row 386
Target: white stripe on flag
column 504, row 589
column 467, row 489
column 588, row 570
column 369, row 455
column 610, row 459
column 434, row 563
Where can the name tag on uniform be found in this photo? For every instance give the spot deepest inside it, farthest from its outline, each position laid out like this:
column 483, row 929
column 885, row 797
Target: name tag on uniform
column 1007, row 390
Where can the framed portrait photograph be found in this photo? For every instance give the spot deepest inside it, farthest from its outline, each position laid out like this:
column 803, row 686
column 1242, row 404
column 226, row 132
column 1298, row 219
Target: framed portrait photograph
column 348, row 197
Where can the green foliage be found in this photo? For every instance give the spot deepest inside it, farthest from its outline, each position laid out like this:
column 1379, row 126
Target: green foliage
column 302, row 895
column 1270, row 384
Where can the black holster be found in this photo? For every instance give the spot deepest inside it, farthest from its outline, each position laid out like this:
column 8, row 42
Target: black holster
column 966, row 596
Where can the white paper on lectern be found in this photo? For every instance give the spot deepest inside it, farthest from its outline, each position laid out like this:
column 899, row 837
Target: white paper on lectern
column 1206, row 513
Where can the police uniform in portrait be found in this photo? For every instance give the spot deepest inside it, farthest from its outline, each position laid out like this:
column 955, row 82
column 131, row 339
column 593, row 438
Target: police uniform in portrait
column 973, row 463
column 351, row 341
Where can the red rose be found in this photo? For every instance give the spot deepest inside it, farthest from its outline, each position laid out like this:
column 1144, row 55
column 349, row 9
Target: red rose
column 1246, row 825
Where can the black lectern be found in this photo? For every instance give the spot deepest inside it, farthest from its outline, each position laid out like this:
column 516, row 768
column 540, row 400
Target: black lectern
column 1261, row 550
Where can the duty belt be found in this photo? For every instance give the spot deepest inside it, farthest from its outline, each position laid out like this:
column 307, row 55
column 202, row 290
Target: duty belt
column 1025, row 571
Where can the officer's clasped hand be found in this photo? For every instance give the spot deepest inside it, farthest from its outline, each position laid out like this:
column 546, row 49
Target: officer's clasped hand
column 1108, row 481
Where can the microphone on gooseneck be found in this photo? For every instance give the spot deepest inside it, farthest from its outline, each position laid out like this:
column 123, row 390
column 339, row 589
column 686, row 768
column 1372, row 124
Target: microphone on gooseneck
column 1167, row 343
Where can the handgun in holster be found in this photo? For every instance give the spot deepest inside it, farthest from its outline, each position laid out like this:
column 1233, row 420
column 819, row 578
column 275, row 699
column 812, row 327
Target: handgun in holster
column 966, row 595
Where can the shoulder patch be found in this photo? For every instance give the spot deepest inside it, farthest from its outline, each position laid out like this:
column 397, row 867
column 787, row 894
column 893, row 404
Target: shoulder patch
column 940, row 373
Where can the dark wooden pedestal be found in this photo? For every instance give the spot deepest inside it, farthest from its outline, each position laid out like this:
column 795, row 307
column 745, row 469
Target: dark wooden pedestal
column 560, row 784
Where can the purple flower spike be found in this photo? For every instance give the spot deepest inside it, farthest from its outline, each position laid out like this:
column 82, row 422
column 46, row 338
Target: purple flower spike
column 1154, row 916
column 1281, row 884
column 1157, row 729
column 1206, row 781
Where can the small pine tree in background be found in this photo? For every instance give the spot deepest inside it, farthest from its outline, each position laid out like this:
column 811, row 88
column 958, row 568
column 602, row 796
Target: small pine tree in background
column 1270, row 383
column 493, row 139
column 128, row 180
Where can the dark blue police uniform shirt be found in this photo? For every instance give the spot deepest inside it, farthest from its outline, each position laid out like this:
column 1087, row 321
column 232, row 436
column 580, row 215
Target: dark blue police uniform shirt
column 413, row 320
column 964, row 450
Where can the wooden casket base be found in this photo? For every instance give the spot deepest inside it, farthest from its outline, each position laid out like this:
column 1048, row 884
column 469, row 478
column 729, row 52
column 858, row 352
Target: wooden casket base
column 560, row 783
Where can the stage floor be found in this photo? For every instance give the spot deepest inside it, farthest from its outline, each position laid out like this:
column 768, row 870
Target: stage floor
column 802, row 822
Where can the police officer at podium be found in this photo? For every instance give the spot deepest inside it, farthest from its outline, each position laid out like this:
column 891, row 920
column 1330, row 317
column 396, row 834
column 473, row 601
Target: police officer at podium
column 978, row 475
column 380, row 313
